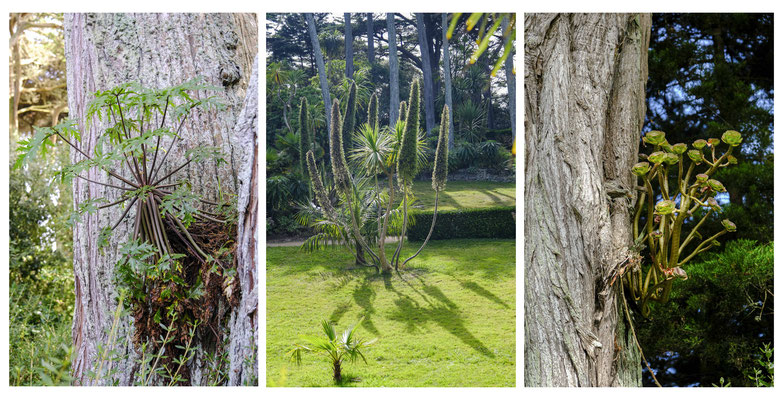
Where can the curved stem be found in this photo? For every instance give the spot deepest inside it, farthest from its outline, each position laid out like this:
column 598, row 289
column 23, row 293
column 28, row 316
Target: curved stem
column 431, row 229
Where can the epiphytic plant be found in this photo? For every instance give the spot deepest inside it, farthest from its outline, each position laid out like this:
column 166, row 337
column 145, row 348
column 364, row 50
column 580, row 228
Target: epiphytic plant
column 389, row 153
column 665, row 210
column 178, row 260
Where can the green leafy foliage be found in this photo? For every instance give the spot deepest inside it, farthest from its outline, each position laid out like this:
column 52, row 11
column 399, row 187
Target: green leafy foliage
column 715, row 321
column 492, row 222
column 337, row 348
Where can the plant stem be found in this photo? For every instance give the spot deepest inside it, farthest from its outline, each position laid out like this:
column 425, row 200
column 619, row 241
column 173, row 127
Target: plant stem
column 431, row 229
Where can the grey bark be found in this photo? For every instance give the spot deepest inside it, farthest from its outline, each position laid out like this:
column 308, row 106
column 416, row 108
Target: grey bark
column 156, row 50
column 243, row 368
column 447, row 80
column 348, row 47
column 584, row 86
column 393, row 66
column 324, row 84
column 510, row 77
column 370, row 38
column 427, row 71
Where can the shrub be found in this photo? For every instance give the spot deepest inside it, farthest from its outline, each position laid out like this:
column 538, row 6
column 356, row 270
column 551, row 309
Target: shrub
column 495, row 223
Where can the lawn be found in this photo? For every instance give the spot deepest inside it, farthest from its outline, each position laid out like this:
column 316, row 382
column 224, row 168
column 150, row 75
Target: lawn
column 448, row 320
column 460, row 194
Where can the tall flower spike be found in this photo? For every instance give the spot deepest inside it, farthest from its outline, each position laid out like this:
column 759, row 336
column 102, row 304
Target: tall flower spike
column 406, row 164
column 317, row 185
column 373, row 111
column 339, row 165
column 440, row 172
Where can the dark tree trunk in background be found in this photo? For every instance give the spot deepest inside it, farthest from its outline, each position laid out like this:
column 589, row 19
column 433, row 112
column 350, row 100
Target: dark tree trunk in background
column 393, row 73
column 435, row 49
column 348, row 47
column 584, row 105
column 427, row 71
column 324, row 83
column 510, row 77
column 156, row 50
column 447, row 80
column 370, row 38
column 487, row 91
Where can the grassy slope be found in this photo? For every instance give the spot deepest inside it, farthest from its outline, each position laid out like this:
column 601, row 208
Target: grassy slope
column 449, row 320
column 466, row 195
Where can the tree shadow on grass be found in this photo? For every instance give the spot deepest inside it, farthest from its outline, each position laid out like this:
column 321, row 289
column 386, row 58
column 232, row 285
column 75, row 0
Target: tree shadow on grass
column 437, row 308
column 481, row 291
column 363, row 296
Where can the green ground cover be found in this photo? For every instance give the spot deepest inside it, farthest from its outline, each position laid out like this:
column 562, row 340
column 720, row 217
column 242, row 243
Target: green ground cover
column 459, row 194
column 448, row 320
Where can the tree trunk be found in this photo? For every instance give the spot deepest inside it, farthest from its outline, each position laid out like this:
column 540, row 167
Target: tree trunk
column 427, row 71
column 393, row 66
column 510, row 77
column 324, row 83
column 370, row 39
column 156, row 50
column 348, row 47
column 244, row 319
column 487, row 91
column 584, row 85
column 447, row 80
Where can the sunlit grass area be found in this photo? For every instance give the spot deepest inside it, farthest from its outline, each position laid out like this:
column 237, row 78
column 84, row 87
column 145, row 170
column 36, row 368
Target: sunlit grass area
column 448, row 320
column 460, row 195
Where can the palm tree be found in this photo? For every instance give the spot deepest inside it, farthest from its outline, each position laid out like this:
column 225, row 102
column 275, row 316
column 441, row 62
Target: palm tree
column 338, row 348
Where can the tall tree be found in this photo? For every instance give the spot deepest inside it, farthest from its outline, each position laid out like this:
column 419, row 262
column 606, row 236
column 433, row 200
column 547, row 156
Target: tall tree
column 159, row 50
column 585, row 108
column 393, row 73
column 427, row 71
column 370, row 38
column 510, row 77
column 324, row 83
column 348, row 48
column 447, row 80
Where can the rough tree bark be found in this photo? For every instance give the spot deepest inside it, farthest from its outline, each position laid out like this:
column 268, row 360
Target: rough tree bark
column 427, row 71
column 393, row 66
column 510, row 77
column 324, row 83
column 348, row 47
column 584, row 86
column 244, row 319
column 447, row 80
column 156, row 50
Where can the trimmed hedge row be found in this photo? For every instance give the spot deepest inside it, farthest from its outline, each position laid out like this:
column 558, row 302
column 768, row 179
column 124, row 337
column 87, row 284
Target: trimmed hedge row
column 491, row 223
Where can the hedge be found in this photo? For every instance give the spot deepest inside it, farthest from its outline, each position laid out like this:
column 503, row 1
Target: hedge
column 493, row 223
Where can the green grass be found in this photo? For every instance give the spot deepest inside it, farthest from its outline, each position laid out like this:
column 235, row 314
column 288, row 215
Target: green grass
column 458, row 195
column 448, row 320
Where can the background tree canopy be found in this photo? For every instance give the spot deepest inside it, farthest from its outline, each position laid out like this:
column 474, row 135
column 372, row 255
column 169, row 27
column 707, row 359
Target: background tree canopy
column 709, row 73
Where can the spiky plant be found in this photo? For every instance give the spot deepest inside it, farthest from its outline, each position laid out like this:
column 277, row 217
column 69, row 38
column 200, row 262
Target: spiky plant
column 373, row 110
column 439, row 174
column 407, row 160
column 367, row 212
